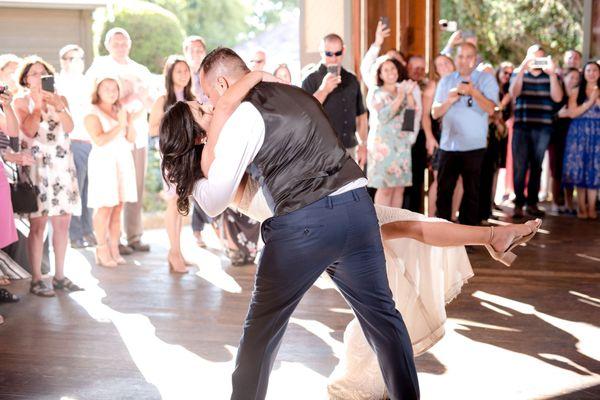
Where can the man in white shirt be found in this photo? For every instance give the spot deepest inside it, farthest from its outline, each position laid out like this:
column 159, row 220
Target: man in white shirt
column 135, row 79
column 324, row 220
column 71, row 83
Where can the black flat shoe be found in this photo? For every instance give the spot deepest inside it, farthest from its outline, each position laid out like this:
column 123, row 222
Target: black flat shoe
column 8, row 297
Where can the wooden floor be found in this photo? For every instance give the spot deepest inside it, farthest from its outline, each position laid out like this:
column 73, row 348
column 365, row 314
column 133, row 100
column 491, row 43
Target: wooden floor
column 138, row 332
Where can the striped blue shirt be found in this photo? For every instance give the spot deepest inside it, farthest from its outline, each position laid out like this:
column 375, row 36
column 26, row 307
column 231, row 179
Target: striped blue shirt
column 534, row 106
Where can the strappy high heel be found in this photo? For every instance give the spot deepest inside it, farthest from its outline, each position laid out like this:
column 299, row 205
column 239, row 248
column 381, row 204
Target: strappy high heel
column 507, row 257
column 110, row 263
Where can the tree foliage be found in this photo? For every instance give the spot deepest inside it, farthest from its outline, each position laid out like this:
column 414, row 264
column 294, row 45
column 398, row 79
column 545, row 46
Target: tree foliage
column 505, row 29
column 227, row 22
column 155, row 32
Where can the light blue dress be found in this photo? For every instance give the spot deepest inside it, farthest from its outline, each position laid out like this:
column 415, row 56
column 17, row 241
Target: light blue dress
column 389, row 148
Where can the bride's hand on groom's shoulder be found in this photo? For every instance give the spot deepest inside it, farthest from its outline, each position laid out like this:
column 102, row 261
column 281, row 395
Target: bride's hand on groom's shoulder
column 267, row 77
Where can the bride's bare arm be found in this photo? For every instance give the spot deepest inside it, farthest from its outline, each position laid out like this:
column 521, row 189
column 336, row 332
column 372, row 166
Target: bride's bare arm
column 223, row 110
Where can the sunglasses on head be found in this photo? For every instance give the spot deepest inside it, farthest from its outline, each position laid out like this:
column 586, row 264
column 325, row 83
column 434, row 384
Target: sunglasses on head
column 331, row 53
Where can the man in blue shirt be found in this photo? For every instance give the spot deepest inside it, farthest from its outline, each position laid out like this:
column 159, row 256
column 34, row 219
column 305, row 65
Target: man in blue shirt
column 464, row 100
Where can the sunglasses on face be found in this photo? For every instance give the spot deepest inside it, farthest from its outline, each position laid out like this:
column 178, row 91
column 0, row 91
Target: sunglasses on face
column 331, row 53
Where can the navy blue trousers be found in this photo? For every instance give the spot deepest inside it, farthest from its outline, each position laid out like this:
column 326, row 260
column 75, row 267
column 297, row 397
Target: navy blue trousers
column 340, row 235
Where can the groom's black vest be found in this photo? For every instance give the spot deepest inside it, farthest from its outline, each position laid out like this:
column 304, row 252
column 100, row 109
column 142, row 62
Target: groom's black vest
column 301, row 160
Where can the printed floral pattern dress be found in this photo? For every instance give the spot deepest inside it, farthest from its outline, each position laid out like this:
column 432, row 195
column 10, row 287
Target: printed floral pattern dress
column 53, row 173
column 388, row 158
column 582, row 151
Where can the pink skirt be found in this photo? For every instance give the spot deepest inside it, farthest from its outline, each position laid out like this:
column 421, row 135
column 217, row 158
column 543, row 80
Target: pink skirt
column 8, row 231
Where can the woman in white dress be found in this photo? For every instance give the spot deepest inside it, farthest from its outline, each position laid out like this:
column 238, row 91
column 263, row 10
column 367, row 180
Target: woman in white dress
column 111, row 172
column 426, row 261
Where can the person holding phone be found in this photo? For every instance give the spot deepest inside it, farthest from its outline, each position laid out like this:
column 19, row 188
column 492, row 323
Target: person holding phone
column 45, row 124
column 339, row 92
column 396, row 104
column 458, row 37
column 535, row 90
column 464, row 99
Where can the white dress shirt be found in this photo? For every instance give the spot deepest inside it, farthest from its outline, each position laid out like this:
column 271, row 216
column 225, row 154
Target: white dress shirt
column 239, row 142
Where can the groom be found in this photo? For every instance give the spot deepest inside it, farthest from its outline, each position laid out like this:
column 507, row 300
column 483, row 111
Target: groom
column 324, row 220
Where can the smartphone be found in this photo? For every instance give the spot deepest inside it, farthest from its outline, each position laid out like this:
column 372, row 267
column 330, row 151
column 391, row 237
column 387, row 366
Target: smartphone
column 448, row 26
column 408, row 124
column 385, row 21
column 48, row 83
column 540, row 62
column 464, row 83
column 333, row 69
column 3, row 88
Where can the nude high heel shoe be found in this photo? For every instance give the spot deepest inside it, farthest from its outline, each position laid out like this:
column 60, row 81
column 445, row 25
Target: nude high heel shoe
column 101, row 260
column 507, row 257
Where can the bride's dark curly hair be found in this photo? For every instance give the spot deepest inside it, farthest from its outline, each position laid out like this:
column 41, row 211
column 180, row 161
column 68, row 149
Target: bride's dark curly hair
column 181, row 155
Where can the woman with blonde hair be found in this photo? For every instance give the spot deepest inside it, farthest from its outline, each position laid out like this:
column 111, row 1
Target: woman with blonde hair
column 111, row 172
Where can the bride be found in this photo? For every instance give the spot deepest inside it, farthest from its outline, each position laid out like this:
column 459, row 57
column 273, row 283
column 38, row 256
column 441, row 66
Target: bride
column 426, row 260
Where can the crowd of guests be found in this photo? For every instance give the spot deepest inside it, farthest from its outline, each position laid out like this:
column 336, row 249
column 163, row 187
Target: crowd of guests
column 84, row 144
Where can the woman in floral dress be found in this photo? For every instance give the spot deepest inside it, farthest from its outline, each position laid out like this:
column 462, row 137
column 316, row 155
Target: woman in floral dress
column 389, row 146
column 45, row 122
column 582, row 153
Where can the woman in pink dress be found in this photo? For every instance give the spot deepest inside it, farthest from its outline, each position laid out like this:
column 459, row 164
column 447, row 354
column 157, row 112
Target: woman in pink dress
column 8, row 231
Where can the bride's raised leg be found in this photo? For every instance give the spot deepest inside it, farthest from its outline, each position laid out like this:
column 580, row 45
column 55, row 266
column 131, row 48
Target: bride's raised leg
column 501, row 239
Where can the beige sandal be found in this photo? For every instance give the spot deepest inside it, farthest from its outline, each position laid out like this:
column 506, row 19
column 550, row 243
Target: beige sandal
column 110, row 263
column 507, row 257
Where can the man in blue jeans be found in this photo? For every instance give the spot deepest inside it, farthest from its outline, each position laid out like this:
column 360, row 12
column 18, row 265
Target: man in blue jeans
column 324, row 220
column 70, row 82
column 535, row 88
column 464, row 100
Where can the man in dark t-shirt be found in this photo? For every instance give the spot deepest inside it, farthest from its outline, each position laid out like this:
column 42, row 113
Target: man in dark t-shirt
column 339, row 92
column 535, row 88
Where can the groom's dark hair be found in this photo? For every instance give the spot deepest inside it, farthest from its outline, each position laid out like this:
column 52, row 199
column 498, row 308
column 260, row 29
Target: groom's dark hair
column 225, row 58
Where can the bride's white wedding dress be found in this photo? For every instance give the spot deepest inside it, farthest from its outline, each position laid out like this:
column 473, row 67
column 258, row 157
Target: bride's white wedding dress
column 422, row 278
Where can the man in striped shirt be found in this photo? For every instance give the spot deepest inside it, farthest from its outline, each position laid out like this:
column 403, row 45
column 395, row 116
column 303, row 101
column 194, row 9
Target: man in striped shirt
column 535, row 88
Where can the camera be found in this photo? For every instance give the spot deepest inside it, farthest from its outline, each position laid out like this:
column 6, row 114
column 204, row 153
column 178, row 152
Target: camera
column 448, row 26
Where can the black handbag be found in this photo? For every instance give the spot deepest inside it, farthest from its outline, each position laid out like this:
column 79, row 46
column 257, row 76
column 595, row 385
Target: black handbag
column 23, row 194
